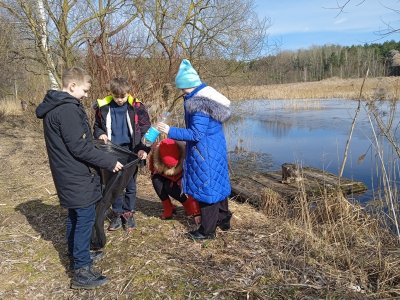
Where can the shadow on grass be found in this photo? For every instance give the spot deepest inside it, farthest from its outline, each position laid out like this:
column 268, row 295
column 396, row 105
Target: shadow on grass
column 49, row 222
column 154, row 209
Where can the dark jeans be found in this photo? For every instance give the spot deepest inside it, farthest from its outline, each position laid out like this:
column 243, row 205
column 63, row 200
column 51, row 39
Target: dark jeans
column 212, row 214
column 80, row 222
column 127, row 202
column 165, row 187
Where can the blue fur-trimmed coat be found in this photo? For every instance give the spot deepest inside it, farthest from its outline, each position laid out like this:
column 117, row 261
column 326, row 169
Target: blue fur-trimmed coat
column 205, row 175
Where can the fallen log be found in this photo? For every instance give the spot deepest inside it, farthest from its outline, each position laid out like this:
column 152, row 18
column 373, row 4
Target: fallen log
column 251, row 186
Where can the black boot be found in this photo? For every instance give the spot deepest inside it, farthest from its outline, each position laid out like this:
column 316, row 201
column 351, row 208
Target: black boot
column 95, row 256
column 128, row 220
column 198, row 235
column 116, row 222
column 225, row 224
column 87, row 278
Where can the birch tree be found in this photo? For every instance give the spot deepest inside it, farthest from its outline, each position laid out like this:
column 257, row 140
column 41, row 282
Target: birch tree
column 43, row 35
column 60, row 30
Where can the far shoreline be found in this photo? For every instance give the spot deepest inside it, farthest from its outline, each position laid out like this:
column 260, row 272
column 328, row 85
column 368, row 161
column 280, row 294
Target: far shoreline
column 379, row 88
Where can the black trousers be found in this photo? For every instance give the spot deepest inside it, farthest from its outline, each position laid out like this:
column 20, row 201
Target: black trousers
column 212, row 215
column 165, row 187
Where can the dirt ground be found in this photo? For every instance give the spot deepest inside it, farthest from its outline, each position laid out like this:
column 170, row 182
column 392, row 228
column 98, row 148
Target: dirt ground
column 155, row 262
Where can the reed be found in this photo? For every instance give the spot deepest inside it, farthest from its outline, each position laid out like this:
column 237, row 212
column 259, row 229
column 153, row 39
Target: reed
column 10, row 107
column 332, row 243
column 375, row 88
column 389, row 194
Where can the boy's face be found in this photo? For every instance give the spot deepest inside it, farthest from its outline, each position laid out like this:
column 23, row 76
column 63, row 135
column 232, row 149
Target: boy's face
column 120, row 99
column 79, row 90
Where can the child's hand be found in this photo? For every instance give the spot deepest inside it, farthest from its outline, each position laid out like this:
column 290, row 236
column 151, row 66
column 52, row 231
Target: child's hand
column 118, row 167
column 104, row 138
column 164, row 128
column 142, row 154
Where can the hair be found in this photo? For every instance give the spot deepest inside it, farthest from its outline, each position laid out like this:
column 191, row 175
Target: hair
column 75, row 74
column 119, row 86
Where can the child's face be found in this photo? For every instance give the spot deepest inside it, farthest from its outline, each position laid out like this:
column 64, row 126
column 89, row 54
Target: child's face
column 79, row 90
column 187, row 91
column 120, row 99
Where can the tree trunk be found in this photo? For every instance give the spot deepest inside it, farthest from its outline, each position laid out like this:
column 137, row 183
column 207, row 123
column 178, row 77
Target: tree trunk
column 51, row 70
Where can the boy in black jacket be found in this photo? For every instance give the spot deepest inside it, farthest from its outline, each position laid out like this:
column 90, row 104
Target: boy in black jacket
column 71, row 153
column 123, row 120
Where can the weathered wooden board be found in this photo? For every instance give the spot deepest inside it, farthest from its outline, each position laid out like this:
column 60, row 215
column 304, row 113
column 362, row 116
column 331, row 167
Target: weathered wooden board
column 251, row 186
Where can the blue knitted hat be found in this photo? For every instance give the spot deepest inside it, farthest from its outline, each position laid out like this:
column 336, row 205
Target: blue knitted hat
column 187, row 77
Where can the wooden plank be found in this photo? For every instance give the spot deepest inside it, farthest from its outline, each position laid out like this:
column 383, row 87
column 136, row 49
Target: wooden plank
column 331, row 180
column 251, row 186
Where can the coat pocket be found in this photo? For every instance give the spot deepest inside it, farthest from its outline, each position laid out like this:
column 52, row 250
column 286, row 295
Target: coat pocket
column 196, row 150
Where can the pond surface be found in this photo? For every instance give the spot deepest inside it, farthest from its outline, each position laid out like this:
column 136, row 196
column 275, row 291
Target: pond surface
column 267, row 133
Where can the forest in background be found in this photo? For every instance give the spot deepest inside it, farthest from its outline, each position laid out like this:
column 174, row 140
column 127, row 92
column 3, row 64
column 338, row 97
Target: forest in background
column 318, row 63
column 146, row 40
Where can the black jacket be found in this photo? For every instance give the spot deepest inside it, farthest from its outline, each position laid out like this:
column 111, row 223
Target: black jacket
column 71, row 150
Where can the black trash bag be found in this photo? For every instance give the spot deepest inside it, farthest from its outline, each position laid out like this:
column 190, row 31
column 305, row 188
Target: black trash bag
column 113, row 186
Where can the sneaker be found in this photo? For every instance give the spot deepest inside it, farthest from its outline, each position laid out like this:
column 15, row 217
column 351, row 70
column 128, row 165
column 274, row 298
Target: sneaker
column 225, row 224
column 116, row 223
column 129, row 221
column 96, row 256
column 197, row 235
column 87, row 278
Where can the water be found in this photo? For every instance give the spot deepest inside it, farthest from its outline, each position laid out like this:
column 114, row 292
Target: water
column 268, row 133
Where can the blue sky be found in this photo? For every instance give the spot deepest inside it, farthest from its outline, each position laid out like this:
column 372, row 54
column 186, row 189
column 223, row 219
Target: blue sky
column 299, row 24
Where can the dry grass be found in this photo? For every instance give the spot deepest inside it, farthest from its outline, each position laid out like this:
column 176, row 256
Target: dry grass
column 343, row 246
column 335, row 252
column 10, row 107
column 375, row 88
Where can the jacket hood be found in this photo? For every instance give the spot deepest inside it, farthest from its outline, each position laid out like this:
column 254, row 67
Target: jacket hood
column 52, row 100
column 210, row 102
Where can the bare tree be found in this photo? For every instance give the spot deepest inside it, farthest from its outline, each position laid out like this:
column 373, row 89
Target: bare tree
column 58, row 28
column 202, row 28
column 31, row 15
column 341, row 6
column 144, row 38
column 7, row 62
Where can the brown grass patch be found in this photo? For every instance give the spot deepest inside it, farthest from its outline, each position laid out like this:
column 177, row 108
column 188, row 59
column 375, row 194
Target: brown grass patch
column 273, row 204
column 375, row 88
column 347, row 248
column 10, row 107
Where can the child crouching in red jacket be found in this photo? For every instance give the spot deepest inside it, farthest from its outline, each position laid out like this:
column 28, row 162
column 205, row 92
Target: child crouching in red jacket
column 165, row 164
